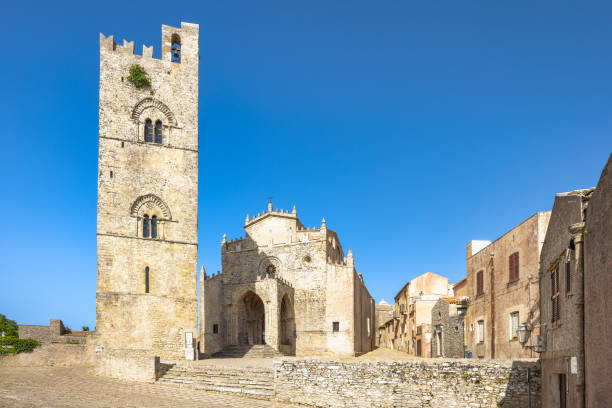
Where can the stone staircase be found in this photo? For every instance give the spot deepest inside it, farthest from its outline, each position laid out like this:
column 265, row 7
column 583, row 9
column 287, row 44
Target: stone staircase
column 254, row 351
column 248, row 381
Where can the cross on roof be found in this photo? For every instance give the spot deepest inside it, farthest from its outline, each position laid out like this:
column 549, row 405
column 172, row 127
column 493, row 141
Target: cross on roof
column 270, row 199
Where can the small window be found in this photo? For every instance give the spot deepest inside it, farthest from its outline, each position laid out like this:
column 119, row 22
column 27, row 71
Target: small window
column 215, row 328
column 175, row 55
column 336, row 326
column 122, row 144
column 568, row 277
column 514, row 323
column 154, row 226
column 481, row 331
column 554, row 299
column 148, row 131
column 158, row 132
column 513, row 267
column 479, row 283
column 146, row 226
column 147, row 279
column 111, row 174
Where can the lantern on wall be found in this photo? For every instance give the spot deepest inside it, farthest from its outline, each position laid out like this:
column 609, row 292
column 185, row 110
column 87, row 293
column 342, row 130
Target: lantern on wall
column 523, row 333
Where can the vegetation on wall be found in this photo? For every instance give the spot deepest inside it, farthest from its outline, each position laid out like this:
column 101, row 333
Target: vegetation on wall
column 9, row 327
column 139, row 77
column 13, row 345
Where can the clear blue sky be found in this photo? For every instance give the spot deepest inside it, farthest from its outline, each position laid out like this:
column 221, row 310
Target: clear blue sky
column 411, row 127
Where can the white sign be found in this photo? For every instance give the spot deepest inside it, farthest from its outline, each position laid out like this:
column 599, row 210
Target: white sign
column 188, row 339
column 574, row 365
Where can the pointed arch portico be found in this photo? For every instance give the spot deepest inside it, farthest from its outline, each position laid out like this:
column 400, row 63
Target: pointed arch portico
column 257, row 312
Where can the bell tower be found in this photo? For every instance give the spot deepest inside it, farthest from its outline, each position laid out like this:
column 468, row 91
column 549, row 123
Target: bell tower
column 147, row 243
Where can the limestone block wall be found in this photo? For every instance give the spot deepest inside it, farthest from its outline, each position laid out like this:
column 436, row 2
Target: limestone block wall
column 54, row 333
column 414, row 383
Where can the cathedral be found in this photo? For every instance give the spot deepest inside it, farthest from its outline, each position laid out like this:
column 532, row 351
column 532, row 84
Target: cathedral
column 289, row 287
column 284, row 286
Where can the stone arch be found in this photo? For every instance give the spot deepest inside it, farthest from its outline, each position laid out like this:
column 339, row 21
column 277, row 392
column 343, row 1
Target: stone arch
column 287, row 321
column 150, row 102
column 251, row 319
column 150, row 200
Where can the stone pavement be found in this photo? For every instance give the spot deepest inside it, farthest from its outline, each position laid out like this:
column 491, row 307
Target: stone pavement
column 76, row 387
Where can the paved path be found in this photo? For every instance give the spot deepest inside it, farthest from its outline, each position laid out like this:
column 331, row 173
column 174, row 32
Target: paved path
column 52, row 387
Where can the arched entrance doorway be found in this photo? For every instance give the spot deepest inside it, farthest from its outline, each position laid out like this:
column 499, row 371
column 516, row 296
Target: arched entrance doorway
column 286, row 322
column 251, row 320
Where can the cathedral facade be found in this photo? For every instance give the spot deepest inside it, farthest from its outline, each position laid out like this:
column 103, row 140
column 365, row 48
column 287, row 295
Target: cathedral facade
column 289, row 287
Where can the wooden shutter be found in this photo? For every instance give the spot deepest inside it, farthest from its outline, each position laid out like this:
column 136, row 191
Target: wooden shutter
column 568, row 277
column 479, row 283
column 554, row 280
column 513, row 267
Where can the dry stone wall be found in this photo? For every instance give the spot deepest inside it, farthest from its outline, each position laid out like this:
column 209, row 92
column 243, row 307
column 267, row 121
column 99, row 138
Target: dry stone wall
column 413, row 383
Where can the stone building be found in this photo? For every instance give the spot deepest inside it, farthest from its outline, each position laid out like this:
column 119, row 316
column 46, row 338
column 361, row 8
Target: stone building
column 447, row 327
column 503, row 289
column 562, row 302
column 410, row 328
column 290, row 287
column 146, row 299
column 384, row 314
column 597, row 289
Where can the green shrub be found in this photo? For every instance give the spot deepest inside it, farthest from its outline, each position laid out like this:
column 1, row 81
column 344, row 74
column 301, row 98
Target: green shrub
column 8, row 326
column 85, row 328
column 11, row 345
column 138, row 77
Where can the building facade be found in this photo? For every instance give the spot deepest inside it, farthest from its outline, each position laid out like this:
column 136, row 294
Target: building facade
column 597, row 288
column 503, row 289
column 384, row 314
column 562, row 302
column 447, row 317
column 146, row 300
column 410, row 330
column 289, row 287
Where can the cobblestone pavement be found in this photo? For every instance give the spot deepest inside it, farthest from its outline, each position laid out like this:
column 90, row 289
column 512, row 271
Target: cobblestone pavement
column 52, row 387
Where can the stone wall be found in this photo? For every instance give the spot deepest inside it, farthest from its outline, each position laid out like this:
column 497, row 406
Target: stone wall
column 135, row 365
column 54, row 333
column 61, row 355
column 597, row 289
column 413, row 383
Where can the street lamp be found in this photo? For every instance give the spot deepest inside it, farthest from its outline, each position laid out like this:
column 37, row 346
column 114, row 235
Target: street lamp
column 523, row 333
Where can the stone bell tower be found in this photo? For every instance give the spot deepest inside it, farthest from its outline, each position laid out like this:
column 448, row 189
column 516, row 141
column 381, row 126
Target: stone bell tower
column 147, row 224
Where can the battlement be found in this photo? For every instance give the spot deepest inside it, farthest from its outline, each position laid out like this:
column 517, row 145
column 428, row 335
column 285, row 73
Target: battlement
column 178, row 45
column 272, row 212
column 217, row 275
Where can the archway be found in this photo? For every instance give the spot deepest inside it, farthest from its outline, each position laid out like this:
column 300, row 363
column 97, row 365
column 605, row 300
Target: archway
column 286, row 322
column 251, row 320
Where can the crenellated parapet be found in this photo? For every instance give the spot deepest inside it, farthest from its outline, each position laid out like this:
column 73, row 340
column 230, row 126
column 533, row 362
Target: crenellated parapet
column 174, row 40
column 217, row 275
column 272, row 212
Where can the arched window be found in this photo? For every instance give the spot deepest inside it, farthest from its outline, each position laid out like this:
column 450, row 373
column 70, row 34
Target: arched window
column 147, row 279
column 154, row 226
column 148, row 131
column 175, row 55
column 158, row 132
column 145, row 226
